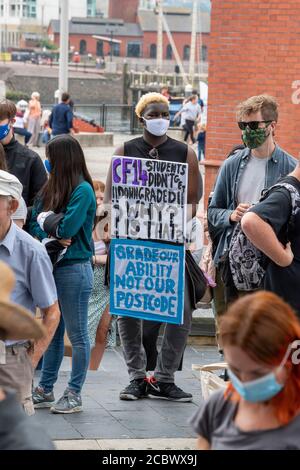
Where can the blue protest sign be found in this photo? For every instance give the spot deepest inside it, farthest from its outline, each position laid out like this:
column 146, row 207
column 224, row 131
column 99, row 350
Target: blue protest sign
column 147, row 280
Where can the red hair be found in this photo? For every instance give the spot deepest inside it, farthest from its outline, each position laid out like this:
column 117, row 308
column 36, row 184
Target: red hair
column 99, row 186
column 264, row 326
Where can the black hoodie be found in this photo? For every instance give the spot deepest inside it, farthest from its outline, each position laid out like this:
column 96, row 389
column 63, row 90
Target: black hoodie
column 28, row 167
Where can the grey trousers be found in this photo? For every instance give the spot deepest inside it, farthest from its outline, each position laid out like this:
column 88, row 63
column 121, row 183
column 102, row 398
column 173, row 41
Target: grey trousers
column 17, row 374
column 173, row 344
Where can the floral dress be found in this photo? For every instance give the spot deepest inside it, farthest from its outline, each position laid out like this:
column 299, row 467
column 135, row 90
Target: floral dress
column 98, row 302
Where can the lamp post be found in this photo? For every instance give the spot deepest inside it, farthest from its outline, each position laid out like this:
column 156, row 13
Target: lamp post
column 111, row 31
column 111, row 44
column 64, row 46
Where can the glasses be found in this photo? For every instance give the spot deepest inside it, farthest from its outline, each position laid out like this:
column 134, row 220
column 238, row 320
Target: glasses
column 253, row 125
column 154, row 154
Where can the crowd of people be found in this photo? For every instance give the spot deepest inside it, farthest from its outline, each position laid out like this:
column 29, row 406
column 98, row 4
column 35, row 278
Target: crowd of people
column 49, row 215
column 37, row 125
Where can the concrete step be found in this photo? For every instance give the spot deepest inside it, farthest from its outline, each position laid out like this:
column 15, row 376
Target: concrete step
column 203, row 323
column 127, row 444
column 86, row 139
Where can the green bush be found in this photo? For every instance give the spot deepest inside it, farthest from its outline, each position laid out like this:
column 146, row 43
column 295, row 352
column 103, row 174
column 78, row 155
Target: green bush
column 16, row 95
column 48, row 45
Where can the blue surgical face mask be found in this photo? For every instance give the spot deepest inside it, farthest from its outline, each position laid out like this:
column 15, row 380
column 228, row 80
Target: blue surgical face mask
column 48, row 166
column 262, row 389
column 4, row 131
column 259, row 390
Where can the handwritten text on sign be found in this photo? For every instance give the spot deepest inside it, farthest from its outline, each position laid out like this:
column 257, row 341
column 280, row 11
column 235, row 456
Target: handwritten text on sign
column 147, row 280
column 149, row 199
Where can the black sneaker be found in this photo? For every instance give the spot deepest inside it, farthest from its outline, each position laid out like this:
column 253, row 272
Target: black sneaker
column 70, row 402
column 41, row 399
column 167, row 391
column 135, row 390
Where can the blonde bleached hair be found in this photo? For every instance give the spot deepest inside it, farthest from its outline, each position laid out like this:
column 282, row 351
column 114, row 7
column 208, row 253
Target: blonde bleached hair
column 265, row 103
column 35, row 95
column 147, row 99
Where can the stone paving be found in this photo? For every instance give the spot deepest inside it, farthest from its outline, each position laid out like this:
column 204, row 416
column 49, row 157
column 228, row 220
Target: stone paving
column 105, row 417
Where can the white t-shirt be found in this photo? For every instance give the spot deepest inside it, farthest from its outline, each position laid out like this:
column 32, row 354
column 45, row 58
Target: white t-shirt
column 192, row 111
column 19, row 123
column 252, row 181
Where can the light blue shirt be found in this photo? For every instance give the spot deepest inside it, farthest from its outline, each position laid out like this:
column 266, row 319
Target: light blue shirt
column 28, row 258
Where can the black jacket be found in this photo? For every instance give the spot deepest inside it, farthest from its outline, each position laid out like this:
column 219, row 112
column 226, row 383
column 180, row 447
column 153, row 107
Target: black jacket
column 28, row 167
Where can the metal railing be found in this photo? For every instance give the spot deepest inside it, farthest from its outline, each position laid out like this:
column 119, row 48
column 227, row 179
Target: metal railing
column 150, row 80
column 112, row 117
column 117, row 118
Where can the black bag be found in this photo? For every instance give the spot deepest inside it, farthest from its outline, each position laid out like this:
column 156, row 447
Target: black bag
column 247, row 263
column 197, row 279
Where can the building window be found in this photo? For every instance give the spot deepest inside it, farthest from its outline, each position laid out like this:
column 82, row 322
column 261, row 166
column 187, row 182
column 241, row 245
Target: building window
column 133, row 49
column 91, row 8
column 186, row 52
column 116, row 49
column 169, row 54
column 204, row 53
column 82, row 47
column 12, row 10
column 99, row 49
column 153, row 51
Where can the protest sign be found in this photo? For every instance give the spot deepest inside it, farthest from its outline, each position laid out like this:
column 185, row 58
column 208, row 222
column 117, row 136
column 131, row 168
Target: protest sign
column 147, row 280
column 149, row 199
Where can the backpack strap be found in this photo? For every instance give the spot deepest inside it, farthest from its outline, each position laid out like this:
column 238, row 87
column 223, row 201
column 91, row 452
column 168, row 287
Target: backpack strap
column 295, row 199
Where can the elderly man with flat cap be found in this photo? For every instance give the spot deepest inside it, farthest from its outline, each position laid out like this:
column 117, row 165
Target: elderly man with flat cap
column 35, row 287
column 17, row 431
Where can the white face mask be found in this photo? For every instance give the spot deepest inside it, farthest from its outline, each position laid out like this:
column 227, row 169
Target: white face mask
column 157, row 127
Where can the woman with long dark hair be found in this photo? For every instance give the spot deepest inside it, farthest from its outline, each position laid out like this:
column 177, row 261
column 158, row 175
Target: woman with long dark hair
column 68, row 204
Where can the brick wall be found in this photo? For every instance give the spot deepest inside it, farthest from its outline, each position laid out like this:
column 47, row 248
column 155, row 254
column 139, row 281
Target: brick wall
column 253, row 48
column 148, row 38
column 181, row 40
column 124, row 9
column 91, row 43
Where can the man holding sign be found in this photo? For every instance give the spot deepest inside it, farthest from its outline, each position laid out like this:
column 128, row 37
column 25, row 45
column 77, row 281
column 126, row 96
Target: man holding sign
column 153, row 113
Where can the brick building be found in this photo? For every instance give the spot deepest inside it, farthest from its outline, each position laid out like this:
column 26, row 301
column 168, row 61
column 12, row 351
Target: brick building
column 254, row 48
column 82, row 30
column 180, row 23
column 127, row 10
column 138, row 39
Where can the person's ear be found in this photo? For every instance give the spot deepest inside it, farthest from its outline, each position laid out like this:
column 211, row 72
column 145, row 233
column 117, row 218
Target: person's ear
column 273, row 127
column 141, row 119
column 283, row 374
column 13, row 121
column 14, row 204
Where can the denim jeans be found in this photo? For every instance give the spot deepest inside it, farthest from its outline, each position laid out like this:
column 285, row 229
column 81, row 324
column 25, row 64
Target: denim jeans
column 74, row 285
column 201, row 151
column 24, row 132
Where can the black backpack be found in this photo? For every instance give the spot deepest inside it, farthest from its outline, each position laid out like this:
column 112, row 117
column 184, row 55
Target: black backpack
column 247, row 263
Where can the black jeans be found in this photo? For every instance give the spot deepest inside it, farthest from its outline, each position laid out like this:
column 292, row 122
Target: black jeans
column 189, row 130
